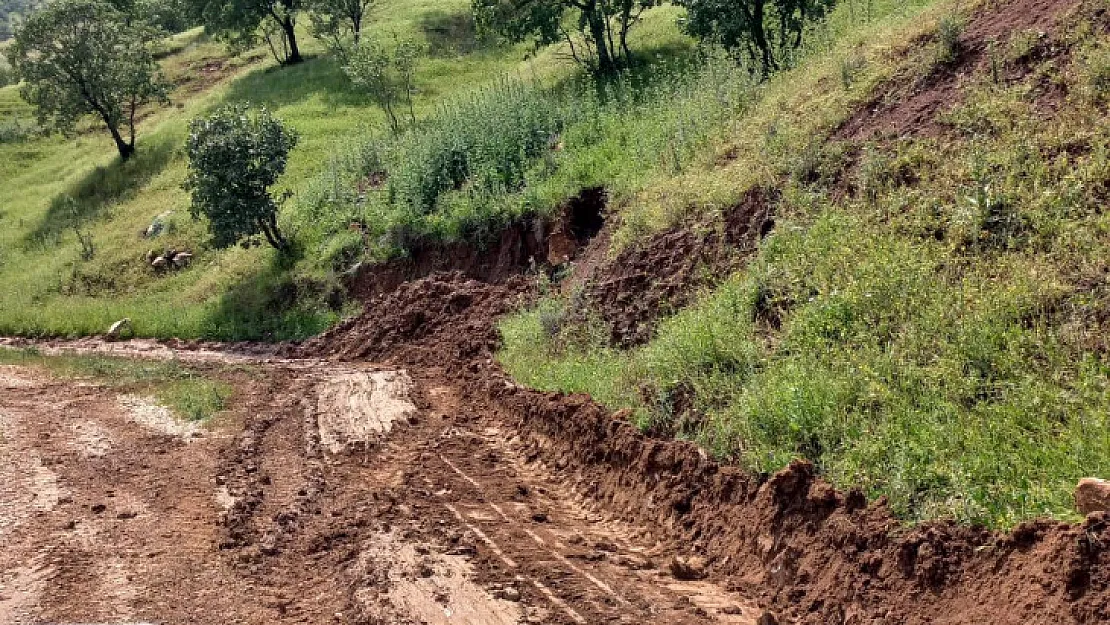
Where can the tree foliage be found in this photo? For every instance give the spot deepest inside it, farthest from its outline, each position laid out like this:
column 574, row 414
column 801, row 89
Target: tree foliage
column 85, row 57
column 235, row 156
column 768, row 31
column 595, row 30
column 242, row 21
column 339, row 23
column 387, row 72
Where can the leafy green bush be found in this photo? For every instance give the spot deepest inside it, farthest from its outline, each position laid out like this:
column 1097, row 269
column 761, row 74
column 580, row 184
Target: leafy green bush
column 949, row 46
column 385, row 72
column 235, row 156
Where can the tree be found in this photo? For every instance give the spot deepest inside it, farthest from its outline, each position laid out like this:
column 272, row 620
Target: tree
column 84, row 57
column 235, row 156
column 339, row 22
column 387, row 74
column 241, row 21
column 766, row 30
column 602, row 24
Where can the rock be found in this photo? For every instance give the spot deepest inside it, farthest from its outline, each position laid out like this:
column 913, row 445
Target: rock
column 634, row 562
column 1092, row 495
column 159, row 263
column 767, row 618
column 182, row 259
column 157, row 225
column 510, row 594
column 689, row 569
column 118, row 327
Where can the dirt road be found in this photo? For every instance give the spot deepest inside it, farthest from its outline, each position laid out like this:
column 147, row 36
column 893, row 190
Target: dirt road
column 329, row 493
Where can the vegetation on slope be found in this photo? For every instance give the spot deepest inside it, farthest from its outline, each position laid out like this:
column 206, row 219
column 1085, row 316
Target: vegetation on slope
column 927, row 320
column 237, row 294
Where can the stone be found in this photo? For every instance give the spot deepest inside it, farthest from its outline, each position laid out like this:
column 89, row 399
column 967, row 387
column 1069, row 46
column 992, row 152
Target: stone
column 768, row 618
column 1092, row 495
column 117, row 328
column 159, row 263
column 182, row 259
column 691, row 568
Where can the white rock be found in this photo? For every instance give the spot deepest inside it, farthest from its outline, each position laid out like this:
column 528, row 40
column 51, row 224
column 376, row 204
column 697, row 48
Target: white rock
column 118, row 327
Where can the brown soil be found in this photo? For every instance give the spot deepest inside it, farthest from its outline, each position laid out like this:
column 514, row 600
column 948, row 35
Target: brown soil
column 792, row 542
column 644, row 283
column 909, row 104
column 331, row 493
column 528, row 245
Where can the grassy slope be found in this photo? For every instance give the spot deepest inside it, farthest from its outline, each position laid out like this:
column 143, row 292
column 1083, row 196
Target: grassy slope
column 225, row 294
column 937, row 338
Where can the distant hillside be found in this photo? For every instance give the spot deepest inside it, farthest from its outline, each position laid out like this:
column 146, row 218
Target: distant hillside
column 10, row 12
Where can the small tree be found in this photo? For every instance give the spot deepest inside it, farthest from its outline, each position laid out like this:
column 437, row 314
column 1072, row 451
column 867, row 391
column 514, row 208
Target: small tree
column 602, row 24
column 241, row 21
column 85, row 57
column 339, row 23
column 387, row 73
column 235, row 156
column 768, row 31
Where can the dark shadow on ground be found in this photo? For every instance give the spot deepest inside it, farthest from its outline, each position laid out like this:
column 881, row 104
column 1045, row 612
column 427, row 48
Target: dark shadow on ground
column 282, row 86
column 450, row 34
column 86, row 199
column 272, row 305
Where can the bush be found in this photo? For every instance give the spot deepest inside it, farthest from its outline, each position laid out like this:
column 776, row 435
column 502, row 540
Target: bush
column 385, row 72
column 235, row 156
column 948, row 39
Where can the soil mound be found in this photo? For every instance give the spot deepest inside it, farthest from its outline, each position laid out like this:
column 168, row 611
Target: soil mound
column 445, row 317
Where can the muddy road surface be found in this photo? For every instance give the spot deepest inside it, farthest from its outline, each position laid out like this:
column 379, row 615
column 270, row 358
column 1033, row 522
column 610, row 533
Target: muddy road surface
column 327, row 493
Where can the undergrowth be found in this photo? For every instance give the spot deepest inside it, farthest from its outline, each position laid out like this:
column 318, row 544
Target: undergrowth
column 927, row 324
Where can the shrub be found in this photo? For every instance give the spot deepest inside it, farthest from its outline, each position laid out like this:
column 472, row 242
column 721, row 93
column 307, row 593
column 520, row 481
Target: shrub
column 235, row 156
column 386, row 72
column 949, row 31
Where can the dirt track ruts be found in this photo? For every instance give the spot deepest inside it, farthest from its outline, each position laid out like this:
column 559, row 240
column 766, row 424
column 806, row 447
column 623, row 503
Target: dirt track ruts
column 441, row 519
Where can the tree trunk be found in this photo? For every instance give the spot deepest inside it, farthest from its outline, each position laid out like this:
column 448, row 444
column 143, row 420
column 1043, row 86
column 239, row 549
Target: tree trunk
column 605, row 64
column 273, row 236
column 291, row 35
column 126, row 150
column 760, row 36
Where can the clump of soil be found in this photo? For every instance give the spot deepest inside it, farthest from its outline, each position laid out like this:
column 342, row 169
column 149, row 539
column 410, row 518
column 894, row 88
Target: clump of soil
column 444, row 317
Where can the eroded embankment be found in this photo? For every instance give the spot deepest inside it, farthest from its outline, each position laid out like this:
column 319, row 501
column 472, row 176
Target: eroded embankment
column 816, row 554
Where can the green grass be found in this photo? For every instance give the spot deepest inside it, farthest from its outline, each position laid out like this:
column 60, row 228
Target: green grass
column 190, row 395
column 937, row 338
column 229, row 294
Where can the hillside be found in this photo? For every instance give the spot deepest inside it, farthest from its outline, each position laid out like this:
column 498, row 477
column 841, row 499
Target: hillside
column 817, row 330
column 10, row 13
